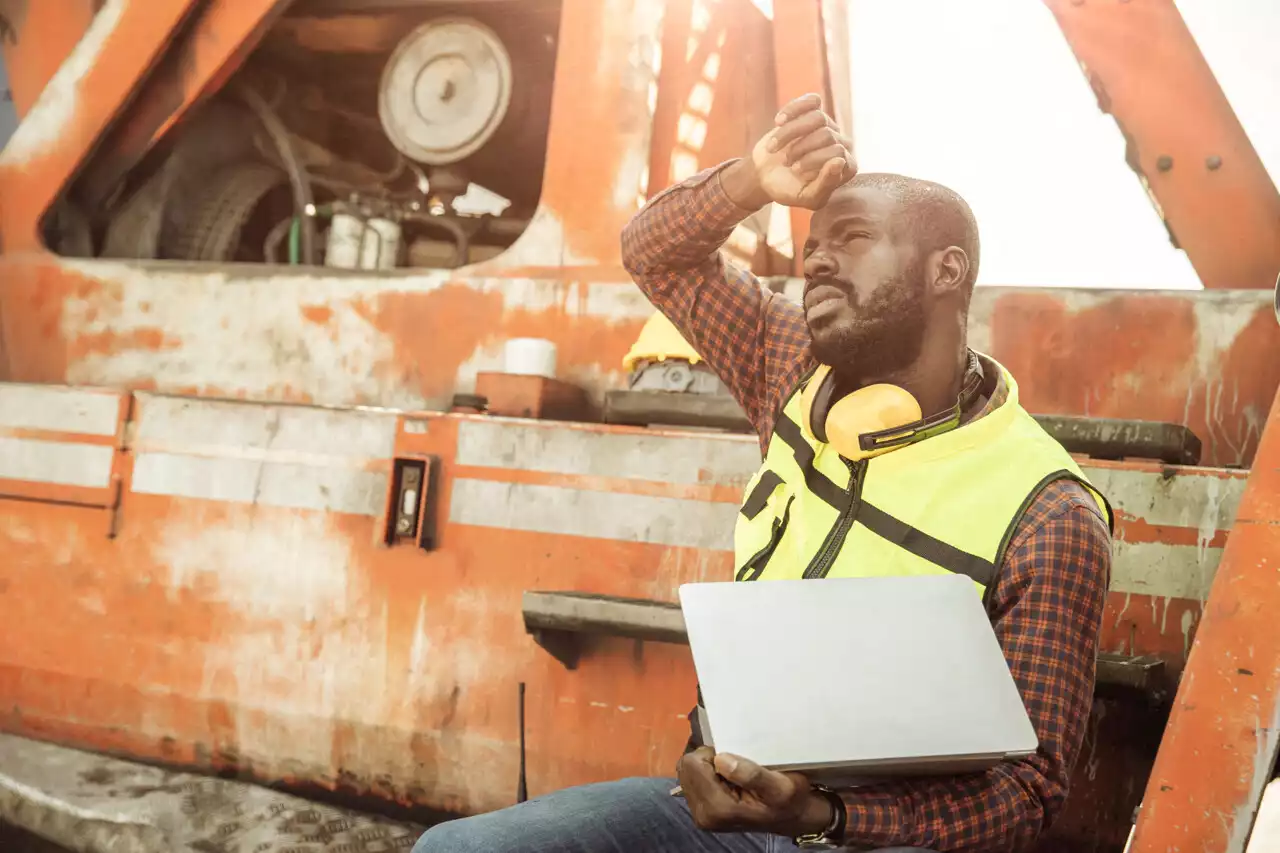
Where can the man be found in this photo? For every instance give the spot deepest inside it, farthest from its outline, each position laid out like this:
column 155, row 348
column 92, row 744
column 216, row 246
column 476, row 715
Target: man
column 976, row 487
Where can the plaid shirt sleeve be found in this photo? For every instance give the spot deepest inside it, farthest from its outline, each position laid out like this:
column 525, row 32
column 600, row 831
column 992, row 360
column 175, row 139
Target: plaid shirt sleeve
column 1046, row 608
column 755, row 341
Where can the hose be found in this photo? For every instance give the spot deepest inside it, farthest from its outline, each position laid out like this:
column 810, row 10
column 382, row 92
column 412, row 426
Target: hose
column 290, row 226
column 303, row 200
column 275, row 237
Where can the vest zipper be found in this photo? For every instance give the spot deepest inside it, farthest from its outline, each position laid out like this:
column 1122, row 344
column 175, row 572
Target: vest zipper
column 821, row 564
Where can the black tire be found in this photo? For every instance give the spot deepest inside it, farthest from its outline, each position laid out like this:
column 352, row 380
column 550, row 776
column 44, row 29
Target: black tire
column 218, row 135
column 207, row 225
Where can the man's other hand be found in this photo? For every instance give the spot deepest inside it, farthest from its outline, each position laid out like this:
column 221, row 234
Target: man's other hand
column 731, row 794
column 799, row 163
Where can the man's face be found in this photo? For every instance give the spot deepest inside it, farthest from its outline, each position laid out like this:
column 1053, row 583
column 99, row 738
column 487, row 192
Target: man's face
column 864, row 293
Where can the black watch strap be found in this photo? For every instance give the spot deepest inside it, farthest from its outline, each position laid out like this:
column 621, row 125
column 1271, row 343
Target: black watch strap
column 833, row 835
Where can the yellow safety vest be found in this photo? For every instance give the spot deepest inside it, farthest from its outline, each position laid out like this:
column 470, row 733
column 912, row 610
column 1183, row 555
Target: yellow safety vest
column 949, row 503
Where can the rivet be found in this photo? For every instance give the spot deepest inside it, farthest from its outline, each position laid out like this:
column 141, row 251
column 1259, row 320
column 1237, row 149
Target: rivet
column 1213, row 162
column 1165, row 163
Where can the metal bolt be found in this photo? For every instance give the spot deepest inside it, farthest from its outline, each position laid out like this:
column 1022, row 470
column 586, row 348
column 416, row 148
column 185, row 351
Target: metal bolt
column 411, row 476
column 1213, row 162
column 402, row 525
column 1165, row 163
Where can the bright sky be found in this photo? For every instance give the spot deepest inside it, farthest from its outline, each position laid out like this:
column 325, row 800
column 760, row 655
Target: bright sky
column 986, row 97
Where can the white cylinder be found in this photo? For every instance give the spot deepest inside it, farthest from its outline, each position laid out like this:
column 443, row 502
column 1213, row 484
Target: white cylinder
column 530, row 357
column 381, row 245
column 362, row 244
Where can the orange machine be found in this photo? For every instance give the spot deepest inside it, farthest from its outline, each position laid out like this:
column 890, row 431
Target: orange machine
column 250, row 252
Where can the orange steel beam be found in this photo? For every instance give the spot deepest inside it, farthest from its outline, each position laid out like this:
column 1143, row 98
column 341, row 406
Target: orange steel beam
column 82, row 98
column 35, row 37
column 800, row 57
column 211, row 45
column 1182, row 137
column 1219, row 748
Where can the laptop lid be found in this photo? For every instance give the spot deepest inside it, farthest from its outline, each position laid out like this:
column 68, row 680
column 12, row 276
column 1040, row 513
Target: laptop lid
column 855, row 679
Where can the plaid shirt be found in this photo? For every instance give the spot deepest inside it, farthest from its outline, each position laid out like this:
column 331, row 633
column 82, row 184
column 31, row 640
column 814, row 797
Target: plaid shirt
column 1047, row 598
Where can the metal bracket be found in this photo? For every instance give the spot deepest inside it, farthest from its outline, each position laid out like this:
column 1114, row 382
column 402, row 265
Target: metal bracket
column 563, row 622
column 1127, row 674
column 561, row 645
column 1115, row 438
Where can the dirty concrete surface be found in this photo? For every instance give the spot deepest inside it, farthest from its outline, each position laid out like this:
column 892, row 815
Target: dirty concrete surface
column 14, row 840
column 54, row 799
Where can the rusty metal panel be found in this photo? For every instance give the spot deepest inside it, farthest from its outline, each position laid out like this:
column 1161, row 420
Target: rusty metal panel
column 1183, row 139
column 1220, row 747
column 249, row 615
column 1209, row 360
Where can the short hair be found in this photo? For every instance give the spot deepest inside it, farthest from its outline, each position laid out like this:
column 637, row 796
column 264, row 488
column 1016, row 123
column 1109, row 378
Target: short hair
column 936, row 216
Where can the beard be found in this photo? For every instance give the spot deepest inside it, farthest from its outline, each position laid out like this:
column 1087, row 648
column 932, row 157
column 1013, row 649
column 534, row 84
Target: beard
column 886, row 335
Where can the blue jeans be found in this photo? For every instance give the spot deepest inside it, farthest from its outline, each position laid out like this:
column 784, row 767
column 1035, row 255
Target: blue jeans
column 630, row 816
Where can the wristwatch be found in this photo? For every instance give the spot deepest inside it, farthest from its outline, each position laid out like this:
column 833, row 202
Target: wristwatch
column 833, row 835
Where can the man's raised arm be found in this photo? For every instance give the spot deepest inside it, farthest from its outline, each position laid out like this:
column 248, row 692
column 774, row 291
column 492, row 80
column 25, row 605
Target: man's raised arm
column 748, row 336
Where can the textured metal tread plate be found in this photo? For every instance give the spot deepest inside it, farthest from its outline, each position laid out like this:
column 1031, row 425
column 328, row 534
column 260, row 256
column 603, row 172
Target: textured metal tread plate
column 94, row 804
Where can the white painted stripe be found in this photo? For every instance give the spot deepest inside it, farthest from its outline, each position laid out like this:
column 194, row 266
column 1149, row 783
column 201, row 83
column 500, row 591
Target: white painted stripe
column 1174, row 571
column 175, row 421
column 598, row 515
column 265, row 483
column 556, row 449
column 57, row 462
column 1167, row 571
column 58, row 409
column 1202, row 501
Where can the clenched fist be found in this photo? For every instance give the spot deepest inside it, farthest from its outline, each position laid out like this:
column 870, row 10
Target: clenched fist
column 798, row 164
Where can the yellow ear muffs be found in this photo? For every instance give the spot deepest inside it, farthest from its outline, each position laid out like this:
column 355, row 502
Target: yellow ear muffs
column 843, row 423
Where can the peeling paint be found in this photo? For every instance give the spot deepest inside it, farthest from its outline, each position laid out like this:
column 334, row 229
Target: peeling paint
column 300, row 636
column 260, row 335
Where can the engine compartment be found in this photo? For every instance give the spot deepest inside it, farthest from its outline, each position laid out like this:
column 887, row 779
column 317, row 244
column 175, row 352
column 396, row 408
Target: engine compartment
column 355, row 136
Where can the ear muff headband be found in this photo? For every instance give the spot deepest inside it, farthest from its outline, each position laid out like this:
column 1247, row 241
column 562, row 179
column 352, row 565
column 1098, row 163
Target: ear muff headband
column 878, row 418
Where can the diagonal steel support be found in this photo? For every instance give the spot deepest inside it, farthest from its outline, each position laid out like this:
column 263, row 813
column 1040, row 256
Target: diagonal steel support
column 1183, row 139
column 1219, row 749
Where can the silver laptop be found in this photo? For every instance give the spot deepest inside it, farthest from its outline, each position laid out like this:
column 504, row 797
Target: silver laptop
column 854, row 681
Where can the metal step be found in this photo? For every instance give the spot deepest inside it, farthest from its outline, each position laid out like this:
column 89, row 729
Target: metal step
column 559, row 621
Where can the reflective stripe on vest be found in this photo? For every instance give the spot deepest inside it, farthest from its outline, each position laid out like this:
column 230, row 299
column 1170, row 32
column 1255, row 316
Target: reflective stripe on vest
column 947, row 504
